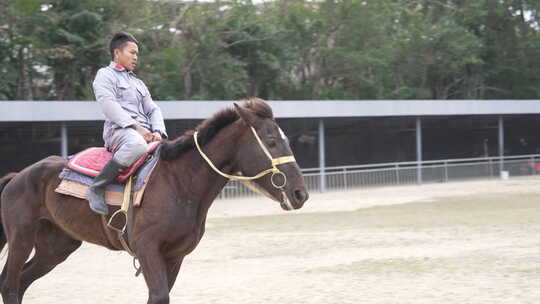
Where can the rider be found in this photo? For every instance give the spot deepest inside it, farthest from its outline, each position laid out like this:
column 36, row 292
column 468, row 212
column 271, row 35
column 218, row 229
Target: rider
column 132, row 119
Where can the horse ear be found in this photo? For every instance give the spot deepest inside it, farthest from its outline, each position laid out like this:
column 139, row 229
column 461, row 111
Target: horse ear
column 248, row 116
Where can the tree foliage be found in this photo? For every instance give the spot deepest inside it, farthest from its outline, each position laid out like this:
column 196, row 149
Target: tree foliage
column 282, row 49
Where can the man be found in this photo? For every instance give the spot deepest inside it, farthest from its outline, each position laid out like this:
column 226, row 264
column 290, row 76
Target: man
column 132, row 119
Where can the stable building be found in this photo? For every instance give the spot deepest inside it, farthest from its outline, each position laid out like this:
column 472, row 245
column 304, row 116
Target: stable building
column 322, row 133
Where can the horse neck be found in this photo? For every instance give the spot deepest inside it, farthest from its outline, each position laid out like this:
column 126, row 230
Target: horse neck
column 202, row 180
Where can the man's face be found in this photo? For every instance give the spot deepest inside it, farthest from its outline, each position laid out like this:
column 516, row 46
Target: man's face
column 126, row 56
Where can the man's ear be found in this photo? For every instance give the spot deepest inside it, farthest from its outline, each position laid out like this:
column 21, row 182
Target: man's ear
column 115, row 53
column 248, row 116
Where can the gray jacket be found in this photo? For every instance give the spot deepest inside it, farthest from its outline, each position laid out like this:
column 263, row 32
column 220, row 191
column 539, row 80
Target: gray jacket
column 125, row 100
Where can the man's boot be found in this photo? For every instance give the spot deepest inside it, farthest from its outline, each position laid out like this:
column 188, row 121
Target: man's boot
column 96, row 192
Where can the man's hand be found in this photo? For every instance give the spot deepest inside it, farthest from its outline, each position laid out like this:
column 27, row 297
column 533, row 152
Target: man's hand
column 156, row 136
column 147, row 135
column 150, row 137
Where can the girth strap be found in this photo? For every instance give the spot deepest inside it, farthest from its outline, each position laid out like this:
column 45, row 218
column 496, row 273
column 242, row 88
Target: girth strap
column 127, row 211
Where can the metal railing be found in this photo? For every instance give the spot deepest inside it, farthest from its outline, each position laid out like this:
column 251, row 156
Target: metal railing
column 405, row 173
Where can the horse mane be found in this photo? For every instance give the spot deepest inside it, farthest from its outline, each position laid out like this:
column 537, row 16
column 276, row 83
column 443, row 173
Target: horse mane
column 209, row 128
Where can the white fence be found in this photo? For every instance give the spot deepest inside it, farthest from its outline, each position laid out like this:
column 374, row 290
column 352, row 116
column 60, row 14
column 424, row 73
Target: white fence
column 439, row 171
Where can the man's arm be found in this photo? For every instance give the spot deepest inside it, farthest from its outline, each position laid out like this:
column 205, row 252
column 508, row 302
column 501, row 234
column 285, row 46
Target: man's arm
column 105, row 90
column 154, row 113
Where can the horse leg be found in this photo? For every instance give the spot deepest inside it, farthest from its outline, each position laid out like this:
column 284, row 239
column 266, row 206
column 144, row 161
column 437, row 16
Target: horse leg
column 3, row 275
column 173, row 267
column 53, row 246
column 21, row 242
column 154, row 270
column 4, row 272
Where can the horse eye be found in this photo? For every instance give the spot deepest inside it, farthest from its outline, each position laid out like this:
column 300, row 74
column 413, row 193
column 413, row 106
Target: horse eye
column 272, row 142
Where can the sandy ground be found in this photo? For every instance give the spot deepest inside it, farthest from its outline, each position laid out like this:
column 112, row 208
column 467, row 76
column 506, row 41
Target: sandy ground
column 473, row 242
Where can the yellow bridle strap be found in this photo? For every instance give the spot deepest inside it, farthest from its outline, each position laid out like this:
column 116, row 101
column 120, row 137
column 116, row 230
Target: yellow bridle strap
column 263, row 192
column 263, row 147
column 225, row 174
column 283, row 160
column 275, row 161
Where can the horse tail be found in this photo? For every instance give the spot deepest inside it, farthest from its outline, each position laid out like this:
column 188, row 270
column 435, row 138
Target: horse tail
column 3, row 182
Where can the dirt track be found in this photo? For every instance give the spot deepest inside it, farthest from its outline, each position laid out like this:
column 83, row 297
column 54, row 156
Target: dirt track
column 474, row 242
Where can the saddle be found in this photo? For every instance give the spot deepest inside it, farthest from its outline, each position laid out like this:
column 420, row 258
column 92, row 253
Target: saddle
column 92, row 160
column 84, row 166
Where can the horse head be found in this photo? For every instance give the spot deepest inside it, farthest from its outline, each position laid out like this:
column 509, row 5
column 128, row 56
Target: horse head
column 264, row 147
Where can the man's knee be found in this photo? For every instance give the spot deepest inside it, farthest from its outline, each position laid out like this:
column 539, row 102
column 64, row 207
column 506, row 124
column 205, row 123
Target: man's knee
column 131, row 151
column 138, row 148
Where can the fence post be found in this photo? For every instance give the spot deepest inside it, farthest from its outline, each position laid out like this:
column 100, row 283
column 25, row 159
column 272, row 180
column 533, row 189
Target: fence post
column 490, row 163
column 345, row 182
column 445, row 171
column 322, row 160
column 63, row 140
column 501, row 144
column 397, row 174
column 418, row 150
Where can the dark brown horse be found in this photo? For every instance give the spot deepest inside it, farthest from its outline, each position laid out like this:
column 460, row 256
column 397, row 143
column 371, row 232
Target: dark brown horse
column 171, row 220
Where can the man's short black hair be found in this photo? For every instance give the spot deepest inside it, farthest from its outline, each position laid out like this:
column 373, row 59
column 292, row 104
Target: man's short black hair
column 119, row 39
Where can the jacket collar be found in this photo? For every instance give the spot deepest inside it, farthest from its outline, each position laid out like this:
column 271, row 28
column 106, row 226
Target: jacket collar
column 113, row 65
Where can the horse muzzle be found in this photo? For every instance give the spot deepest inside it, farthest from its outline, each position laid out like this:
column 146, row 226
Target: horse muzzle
column 293, row 199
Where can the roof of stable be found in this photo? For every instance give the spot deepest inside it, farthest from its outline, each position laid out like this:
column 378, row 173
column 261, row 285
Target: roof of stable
column 89, row 111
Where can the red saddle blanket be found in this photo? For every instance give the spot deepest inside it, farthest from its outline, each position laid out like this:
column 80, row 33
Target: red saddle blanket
column 92, row 160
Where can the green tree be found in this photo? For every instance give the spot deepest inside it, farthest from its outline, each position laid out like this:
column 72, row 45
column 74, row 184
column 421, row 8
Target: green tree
column 54, row 48
column 282, row 49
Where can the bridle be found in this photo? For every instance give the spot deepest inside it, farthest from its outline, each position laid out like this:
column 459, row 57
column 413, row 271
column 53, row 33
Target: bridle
column 126, row 208
column 246, row 179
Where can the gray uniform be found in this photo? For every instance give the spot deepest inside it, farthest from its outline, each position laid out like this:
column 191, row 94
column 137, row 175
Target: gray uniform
column 125, row 100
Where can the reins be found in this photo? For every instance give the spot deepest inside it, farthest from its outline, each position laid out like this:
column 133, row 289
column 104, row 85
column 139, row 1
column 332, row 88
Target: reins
column 245, row 179
column 127, row 202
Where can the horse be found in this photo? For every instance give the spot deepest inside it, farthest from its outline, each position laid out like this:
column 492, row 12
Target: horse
column 170, row 221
